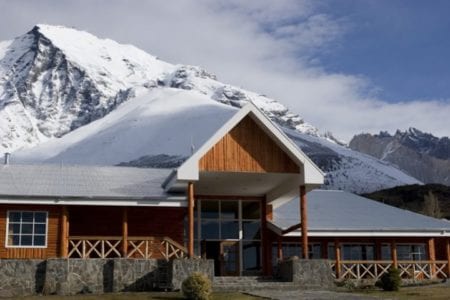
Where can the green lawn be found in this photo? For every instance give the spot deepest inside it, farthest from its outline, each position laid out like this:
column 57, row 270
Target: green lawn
column 143, row 296
column 437, row 292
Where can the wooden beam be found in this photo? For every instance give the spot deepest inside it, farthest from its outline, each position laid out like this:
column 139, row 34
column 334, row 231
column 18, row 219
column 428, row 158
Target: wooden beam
column 279, row 249
column 394, row 254
column 269, row 212
column 448, row 256
column 337, row 254
column 432, row 257
column 265, row 240
column 291, row 228
column 304, row 222
column 191, row 219
column 125, row 232
column 64, row 232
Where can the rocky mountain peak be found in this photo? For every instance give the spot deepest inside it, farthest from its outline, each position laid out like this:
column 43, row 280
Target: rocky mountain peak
column 56, row 81
column 421, row 154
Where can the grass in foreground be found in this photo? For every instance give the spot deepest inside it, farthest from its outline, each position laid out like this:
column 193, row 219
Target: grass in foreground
column 437, row 292
column 143, row 296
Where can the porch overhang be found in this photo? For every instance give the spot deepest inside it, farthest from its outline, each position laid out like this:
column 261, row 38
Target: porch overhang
column 277, row 188
column 171, row 201
column 340, row 232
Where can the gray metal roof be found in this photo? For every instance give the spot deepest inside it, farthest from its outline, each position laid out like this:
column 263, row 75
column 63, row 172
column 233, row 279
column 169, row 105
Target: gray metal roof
column 81, row 181
column 343, row 211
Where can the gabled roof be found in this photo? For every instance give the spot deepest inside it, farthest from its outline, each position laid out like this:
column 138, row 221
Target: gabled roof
column 108, row 185
column 339, row 213
column 311, row 173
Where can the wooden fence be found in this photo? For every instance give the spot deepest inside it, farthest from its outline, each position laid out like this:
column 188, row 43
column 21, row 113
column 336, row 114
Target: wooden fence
column 417, row 270
column 112, row 246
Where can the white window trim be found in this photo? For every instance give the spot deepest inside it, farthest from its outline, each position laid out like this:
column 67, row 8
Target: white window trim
column 21, row 211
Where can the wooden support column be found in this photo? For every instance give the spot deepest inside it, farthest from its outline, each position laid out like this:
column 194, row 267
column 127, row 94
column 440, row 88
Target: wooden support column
column 432, row 256
column 191, row 219
column 269, row 212
column 394, row 254
column 64, row 232
column 280, row 248
column 447, row 246
column 267, row 247
column 304, row 222
column 125, row 232
column 337, row 254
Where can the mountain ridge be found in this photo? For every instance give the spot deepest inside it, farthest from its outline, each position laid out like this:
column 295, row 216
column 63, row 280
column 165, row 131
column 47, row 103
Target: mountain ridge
column 419, row 154
column 134, row 106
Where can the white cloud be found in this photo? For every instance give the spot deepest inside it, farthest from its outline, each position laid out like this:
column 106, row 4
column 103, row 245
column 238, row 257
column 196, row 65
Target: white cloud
column 265, row 46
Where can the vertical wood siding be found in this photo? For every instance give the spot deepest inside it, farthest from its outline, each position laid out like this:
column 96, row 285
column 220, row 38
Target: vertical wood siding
column 51, row 251
column 247, row 148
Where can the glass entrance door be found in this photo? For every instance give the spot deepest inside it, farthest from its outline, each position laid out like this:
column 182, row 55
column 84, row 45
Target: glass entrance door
column 229, row 231
column 229, row 254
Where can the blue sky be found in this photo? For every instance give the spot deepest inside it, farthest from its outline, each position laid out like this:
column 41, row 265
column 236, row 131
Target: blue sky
column 345, row 66
column 403, row 47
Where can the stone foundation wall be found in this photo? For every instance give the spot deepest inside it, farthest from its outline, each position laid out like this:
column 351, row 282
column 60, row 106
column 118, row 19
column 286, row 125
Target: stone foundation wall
column 311, row 273
column 182, row 268
column 95, row 276
column 21, row 277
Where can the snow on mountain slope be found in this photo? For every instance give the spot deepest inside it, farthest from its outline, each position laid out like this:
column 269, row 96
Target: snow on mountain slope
column 168, row 121
column 150, row 124
column 67, row 96
column 55, row 79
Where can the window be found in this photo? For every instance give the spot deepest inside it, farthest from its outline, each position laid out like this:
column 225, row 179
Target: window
column 295, row 249
column 26, row 229
column 331, row 251
column 411, row 252
column 386, row 252
column 358, row 252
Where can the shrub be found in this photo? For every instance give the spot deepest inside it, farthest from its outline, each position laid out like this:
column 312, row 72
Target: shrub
column 390, row 281
column 197, row 287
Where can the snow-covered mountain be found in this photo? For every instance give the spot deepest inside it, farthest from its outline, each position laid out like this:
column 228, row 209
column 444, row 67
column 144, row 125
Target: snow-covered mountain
column 420, row 154
column 67, row 96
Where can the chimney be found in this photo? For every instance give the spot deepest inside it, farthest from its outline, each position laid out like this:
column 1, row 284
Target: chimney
column 7, row 157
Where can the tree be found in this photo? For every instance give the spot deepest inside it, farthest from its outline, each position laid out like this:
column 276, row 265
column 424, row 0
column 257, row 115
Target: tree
column 431, row 205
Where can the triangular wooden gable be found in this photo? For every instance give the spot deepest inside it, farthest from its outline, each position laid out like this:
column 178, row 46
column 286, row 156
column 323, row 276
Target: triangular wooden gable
column 247, row 148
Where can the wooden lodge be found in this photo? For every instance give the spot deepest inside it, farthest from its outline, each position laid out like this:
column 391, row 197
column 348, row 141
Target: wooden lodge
column 245, row 198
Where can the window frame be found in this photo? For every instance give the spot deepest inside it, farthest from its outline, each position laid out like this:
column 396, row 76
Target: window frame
column 241, row 240
column 411, row 245
column 32, row 235
column 363, row 244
